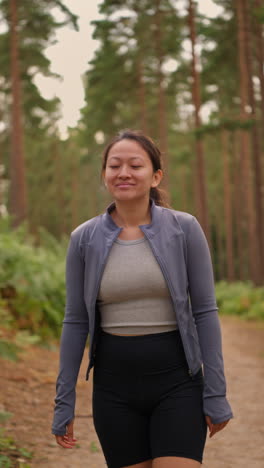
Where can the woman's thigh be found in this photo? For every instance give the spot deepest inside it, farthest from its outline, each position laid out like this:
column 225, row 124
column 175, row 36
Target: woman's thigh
column 169, row 431
column 177, row 426
column 122, row 430
column 174, row 462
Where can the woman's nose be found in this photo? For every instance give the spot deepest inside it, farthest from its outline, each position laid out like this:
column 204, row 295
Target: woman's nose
column 124, row 171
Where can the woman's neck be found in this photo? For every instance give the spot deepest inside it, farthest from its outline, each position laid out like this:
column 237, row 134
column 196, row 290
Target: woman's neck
column 128, row 214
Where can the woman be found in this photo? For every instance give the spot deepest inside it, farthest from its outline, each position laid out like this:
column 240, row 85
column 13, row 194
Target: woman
column 139, row 280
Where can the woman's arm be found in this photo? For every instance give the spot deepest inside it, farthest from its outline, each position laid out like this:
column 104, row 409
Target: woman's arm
column 205, row 312
column 73, row 338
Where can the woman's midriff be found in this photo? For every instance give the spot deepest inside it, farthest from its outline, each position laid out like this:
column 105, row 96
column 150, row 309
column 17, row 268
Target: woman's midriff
column 144, row 353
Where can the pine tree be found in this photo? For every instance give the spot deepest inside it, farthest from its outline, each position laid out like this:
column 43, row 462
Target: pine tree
column 30, row 28
column 200, row 169
column 246, row 168
column 136, row 91
column 18, row 199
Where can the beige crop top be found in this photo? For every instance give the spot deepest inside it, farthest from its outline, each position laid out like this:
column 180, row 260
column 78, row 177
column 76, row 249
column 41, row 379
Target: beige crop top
column 133, row 297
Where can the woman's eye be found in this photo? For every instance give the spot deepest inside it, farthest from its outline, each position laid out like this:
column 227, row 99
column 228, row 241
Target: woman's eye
column 113, row 167
column 135, row 167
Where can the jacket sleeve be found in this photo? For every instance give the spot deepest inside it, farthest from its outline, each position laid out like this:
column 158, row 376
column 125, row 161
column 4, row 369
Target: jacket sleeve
column 73, row 338
column 205, row 312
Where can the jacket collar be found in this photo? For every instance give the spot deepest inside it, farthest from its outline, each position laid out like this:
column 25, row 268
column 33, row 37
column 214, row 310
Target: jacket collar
column 110, row 227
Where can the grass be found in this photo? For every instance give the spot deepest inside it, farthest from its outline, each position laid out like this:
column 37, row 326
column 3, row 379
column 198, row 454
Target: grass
column 12, row 456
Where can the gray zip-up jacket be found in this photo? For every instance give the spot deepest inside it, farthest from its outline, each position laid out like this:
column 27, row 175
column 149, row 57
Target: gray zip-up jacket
column 180, row 247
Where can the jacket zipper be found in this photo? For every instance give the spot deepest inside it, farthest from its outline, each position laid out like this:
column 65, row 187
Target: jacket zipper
column 171, row 290
column 96, row 293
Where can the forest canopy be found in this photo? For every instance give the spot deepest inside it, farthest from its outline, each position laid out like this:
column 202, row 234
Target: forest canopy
column 193, row 82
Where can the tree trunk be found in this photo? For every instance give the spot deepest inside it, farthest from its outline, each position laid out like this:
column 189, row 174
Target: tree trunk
column 182, row 180
column 227, row 192
column 202, row 196
column 57, row 164
column 220, row 247
column 246, row 170
column 140, row 75
column 162, row 114
column 256, row 150
column 258, row 29
column 18, row 198
column 240, row 240
column 74, row 188
column 142, row 96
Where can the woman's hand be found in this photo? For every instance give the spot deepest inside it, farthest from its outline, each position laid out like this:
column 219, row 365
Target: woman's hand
column 67, row 440
column 214, row 428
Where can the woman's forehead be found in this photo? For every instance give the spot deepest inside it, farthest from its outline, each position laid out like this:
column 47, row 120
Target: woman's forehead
column 127, row 149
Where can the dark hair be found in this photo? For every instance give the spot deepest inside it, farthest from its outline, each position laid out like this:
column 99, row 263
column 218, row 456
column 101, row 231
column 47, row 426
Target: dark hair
column 159, row 195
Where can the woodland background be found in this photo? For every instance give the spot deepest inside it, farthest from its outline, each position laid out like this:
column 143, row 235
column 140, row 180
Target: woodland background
column 193, row 82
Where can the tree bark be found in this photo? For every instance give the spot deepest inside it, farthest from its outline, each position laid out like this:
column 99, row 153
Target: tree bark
column 240, row 240
column 220, row 247
column 18, row 197
column 74, row 185
column 246, row 169
column 140, row 75
column 182, row 180
column 200, row 169
column 57, row 163
column 227, row 192
column 258, row 29
column 162, row 113
column 142, row 96
column 255, row 141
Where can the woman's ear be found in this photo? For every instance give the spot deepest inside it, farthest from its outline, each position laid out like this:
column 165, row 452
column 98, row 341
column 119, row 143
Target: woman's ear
column 157, row 177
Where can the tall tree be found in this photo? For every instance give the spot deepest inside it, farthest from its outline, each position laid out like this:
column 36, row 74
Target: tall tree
column 259, row 42
column 246, row 169
column 219, row 40
column 200, row 169
column 228, row 205
column 30, row 28
column 161, row 107
column 133, row 52
column 255, row 138
column 18, row 199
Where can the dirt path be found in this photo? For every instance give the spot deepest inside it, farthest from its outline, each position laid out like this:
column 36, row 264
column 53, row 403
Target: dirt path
column 27, row 391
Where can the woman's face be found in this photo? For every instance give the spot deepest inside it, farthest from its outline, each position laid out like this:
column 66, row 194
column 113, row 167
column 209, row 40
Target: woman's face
column 129, row 172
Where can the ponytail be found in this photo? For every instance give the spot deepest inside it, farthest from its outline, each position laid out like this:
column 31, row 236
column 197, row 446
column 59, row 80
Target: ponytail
column 160, row 197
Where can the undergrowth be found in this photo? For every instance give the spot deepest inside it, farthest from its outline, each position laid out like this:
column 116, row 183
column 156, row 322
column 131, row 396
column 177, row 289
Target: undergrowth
column 32, row 282
column 11, row 455
column 240, row 298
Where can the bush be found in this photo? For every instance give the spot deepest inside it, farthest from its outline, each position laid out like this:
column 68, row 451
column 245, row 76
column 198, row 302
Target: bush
column 32, row 282
column 240, row 298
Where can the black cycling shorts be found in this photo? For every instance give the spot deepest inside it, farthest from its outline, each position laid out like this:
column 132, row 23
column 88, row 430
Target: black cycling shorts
column 145, row 403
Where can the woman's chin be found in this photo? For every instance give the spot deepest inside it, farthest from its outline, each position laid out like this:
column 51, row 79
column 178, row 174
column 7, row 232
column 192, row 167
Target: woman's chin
column 126, row 196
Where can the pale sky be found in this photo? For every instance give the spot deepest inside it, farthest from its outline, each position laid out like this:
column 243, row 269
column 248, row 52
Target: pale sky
column 70, row 57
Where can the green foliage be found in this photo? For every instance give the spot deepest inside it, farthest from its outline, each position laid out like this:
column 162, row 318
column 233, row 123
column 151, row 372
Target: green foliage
column 8, row 350
column 93, row 447
column 4, row 416
column 240, row 298
column 12, row 456
column 37, row 24
column 32, row 284
column 36, row 30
